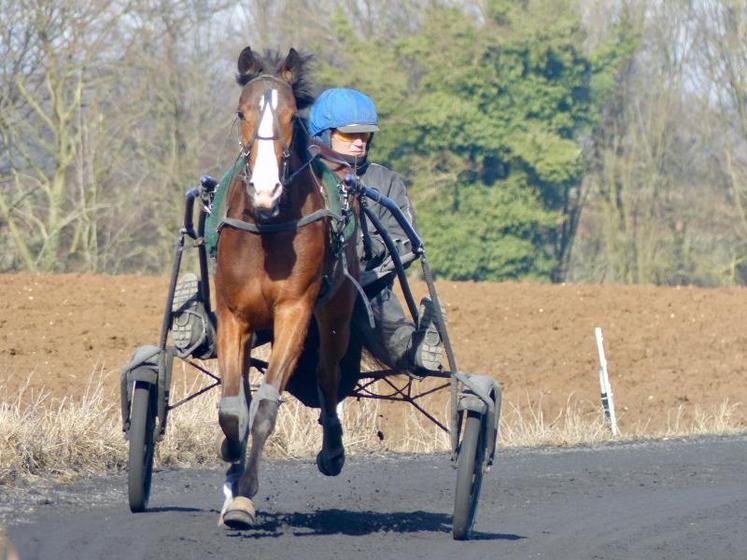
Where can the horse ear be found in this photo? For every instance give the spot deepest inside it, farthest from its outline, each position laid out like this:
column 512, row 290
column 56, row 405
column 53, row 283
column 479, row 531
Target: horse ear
column 290, row 70
column 294, row 70
column 248, row 65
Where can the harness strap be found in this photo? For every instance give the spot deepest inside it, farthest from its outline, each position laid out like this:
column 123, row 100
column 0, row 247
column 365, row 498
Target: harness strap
column 316, row 149
column 361, row 292
column 274, row 228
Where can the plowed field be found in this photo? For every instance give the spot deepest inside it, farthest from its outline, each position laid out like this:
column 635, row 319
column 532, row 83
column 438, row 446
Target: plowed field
column 668, row 348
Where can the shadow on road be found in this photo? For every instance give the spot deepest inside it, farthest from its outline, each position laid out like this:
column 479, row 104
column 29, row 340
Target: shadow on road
column 355, row 523
column 173, row 508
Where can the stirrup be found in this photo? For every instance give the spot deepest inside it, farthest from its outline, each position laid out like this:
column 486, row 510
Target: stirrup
column 429, row 348
column 191, row 331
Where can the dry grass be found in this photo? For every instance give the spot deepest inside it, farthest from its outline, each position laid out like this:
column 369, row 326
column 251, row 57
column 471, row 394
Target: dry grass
column 527, row 425
column 60, row 438
column 717, row 420
column 298, row 433
column 67, row 438
column 579, row 422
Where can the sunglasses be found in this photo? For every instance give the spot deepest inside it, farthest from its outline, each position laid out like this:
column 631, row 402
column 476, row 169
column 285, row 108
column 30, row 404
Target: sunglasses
column 352, row 136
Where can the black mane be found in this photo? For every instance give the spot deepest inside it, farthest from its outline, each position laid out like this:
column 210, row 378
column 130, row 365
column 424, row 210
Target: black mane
column 271, row 62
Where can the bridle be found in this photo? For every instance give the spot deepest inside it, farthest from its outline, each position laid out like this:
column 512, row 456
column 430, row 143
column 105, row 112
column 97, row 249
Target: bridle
column 285, row 176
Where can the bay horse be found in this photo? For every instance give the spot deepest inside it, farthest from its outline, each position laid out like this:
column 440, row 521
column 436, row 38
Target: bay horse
column 276, row 245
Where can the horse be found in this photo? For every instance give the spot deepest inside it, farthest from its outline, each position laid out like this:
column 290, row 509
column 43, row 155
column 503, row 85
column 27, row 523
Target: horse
column 276, row 246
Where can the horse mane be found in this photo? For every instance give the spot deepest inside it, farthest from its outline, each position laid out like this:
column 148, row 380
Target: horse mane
column 271, row 62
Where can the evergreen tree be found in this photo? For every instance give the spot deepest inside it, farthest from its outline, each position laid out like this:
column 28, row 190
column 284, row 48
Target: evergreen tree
column 483, row 118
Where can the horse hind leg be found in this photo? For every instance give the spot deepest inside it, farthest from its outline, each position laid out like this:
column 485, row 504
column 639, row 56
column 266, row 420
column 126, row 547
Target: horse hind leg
column 334, row 336
column 331, row 458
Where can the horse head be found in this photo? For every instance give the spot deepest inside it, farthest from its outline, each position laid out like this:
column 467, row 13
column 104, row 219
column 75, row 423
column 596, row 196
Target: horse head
column 273, row 91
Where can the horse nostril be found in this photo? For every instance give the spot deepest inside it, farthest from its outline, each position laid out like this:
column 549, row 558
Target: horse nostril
column 277, row 187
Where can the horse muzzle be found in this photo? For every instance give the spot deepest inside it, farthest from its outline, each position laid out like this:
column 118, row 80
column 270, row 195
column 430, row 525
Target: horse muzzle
column 266, row 201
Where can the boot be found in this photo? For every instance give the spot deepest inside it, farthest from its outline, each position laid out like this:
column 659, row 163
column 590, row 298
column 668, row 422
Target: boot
column 427, row 343
column 192, row 330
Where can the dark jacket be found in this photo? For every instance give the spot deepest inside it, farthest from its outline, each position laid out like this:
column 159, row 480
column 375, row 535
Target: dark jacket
column 376, row 264
column 379, row 264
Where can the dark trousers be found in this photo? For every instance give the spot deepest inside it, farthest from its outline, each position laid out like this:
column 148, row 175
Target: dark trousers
column 391, row 340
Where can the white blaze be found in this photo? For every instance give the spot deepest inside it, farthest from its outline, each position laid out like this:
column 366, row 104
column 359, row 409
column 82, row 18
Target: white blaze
column 266, row 175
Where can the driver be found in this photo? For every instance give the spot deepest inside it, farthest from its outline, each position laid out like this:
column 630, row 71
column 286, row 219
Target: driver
column 345, row 121
column 342, row 122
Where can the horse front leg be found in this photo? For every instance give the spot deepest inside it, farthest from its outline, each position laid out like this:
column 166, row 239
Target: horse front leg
column 233, row 340
column 234, row 336
column 334, row 336
column 290, row 328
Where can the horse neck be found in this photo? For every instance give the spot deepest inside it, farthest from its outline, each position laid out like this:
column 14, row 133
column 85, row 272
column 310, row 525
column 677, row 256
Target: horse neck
column 303, row 193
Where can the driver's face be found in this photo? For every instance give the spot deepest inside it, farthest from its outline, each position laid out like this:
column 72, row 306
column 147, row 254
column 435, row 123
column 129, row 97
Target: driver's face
column 350, row 143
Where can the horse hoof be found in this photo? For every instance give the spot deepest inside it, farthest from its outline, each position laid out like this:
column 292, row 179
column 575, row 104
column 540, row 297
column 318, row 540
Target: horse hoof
column 240, row 514
column 332, row 464
column 230, row 452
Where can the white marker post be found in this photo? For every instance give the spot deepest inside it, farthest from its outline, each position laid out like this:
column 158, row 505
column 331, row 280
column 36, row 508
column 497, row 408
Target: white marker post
column 608, row 404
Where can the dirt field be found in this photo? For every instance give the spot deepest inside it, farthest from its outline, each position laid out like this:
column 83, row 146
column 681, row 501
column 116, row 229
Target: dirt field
column 666, row 347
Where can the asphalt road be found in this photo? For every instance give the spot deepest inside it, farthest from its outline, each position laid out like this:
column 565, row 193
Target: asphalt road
column 674, row 499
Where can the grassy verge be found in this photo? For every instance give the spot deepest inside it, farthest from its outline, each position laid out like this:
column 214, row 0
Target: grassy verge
column 67, row 438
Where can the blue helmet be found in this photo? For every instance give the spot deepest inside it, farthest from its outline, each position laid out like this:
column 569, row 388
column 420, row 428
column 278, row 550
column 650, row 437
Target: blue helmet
column 346, row 109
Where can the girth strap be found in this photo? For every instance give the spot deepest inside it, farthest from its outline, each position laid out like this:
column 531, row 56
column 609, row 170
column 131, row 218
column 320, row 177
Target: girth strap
column 274, row 228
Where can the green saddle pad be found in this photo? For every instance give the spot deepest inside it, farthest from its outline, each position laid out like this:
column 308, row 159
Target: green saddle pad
column 215, row 218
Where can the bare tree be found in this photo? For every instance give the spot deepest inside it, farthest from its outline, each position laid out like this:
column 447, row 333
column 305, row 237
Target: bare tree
column 722, row 27
column 52, row 60
column 657, row 211
column 109, row 111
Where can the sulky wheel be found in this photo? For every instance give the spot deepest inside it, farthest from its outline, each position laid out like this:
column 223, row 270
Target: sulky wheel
column 469, row 475
column 142, row 444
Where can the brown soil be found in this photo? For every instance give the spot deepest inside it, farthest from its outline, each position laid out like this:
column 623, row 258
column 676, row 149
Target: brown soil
column 666, row 347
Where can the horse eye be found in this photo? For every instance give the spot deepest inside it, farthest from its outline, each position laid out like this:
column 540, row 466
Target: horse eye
column 240, row 115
